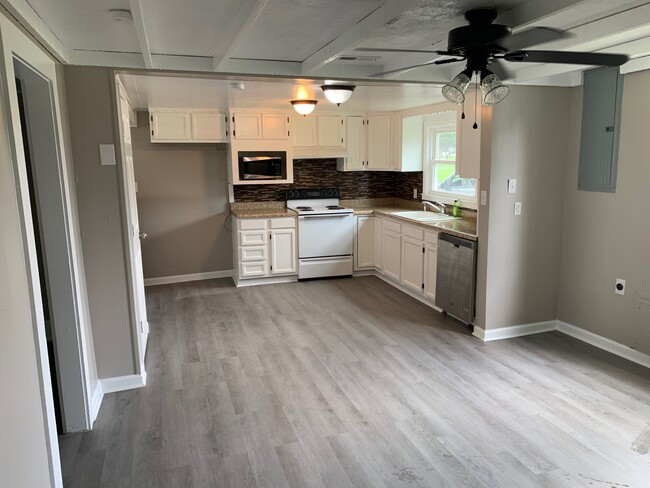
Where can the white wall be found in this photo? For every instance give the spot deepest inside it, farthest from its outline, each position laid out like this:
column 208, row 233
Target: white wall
column 519, row 271
column 607, row 235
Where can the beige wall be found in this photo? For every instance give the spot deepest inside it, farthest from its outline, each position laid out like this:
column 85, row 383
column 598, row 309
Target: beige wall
column 521, row 266
column 92, row 118
column 607, row 235
column 182, row 205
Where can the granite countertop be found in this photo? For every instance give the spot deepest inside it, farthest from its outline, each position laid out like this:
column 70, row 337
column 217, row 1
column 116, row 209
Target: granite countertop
column 260, row 210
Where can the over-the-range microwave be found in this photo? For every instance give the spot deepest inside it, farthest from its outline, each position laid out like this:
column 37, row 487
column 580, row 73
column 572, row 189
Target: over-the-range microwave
column 262, row 165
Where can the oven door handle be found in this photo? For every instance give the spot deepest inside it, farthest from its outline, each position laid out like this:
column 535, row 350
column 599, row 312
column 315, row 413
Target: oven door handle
column 324, row 216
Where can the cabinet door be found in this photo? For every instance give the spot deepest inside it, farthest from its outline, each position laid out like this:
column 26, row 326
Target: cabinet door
column 412, row 263
column 209, row 127
column 364, row 256
column 330, row 131
column 275, row 126
column 170, row 126
column 304, row 131
column 356, row 144
column 283, row 251
column 378, row 142
column 430, row 269
column 247, row 126
column 392, row 254
column 379, row 226
column 468, row 142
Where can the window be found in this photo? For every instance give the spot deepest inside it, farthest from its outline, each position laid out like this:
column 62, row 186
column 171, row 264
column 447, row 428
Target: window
column 441, row 180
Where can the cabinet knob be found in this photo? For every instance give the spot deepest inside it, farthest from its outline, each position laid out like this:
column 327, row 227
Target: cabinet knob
column 143, row 235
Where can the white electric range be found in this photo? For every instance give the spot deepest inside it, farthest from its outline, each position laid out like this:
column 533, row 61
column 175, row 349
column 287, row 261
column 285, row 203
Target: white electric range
column 325, row 233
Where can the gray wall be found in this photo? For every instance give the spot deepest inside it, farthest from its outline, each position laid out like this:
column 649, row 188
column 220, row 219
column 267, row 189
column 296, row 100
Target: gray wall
column 92, row 116
column 607, row 235
column 182, row 205
column 522, row 264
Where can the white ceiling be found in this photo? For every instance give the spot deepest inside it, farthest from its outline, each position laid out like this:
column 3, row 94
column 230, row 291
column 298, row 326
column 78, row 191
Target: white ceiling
column 182, row 92
column 306, row 38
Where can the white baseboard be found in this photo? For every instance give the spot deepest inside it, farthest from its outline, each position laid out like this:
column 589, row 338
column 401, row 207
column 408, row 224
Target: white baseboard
column 123, row 383
column 605, row 344
column 166, row 280
column 265, row 281
column 96, row 403
column 514, row 331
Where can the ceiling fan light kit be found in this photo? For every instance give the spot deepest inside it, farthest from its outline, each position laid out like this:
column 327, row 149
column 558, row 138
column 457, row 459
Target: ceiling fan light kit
column 304, row 107
column 455, row 90
column 338, row 94
column 492, row 90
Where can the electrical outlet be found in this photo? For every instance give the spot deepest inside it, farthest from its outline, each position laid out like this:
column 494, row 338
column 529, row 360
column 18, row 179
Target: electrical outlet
column 483, row 197
column 512, row 185
column 415, row 193
column 619, row 288
column 517, row 208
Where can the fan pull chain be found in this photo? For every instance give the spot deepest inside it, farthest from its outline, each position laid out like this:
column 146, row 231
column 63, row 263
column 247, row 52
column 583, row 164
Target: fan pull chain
column 475, row 126
column 462, row 114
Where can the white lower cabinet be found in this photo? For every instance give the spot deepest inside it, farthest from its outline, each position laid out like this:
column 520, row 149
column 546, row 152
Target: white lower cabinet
column 265, row 248
column 405, row 253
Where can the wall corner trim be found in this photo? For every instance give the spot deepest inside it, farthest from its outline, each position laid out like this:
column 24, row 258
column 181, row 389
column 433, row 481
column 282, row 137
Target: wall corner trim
column 123, row 383
column 166, row 280
column 579, row 333
column 605, row 344
column 96, row 403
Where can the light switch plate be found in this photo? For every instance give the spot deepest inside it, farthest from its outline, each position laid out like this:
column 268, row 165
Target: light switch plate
column 107, row 154
column 517, row 208
column 483, row 197
column 512, row 185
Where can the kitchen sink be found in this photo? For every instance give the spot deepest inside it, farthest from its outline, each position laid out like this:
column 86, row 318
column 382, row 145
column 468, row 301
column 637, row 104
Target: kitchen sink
column 423, row 216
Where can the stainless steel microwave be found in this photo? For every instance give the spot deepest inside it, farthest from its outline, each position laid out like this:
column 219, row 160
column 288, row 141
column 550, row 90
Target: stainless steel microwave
column 262, row 165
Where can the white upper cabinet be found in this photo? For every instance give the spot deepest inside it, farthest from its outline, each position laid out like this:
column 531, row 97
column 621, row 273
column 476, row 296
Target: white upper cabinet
column 410, row 142
column 378, row 142
column 170, row 127
column 188, row 126
column 275, row 126
column 331, row 131
column 247, row 126
column 256, row 126
column 356, row 143
column 304, row 131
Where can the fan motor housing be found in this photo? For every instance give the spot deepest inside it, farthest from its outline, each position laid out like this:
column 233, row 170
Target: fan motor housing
column 463, row 40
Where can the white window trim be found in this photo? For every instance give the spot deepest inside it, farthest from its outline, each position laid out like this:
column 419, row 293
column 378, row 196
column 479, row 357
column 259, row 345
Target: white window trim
column 428, row 193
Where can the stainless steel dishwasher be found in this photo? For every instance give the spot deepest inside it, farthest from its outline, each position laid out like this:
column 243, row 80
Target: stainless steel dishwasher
column 456, row 277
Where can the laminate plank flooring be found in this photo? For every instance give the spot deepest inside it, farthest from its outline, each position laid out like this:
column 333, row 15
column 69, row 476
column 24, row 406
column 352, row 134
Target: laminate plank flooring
column 350, row 383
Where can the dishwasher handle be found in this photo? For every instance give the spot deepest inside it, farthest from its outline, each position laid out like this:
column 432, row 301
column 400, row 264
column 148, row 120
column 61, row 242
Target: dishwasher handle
column 456, row 241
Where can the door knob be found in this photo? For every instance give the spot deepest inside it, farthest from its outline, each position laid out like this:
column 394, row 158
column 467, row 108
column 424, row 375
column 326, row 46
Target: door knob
column 143, row 235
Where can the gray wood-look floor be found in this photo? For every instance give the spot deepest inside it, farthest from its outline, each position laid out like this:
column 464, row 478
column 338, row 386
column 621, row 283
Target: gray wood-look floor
column 342, row 383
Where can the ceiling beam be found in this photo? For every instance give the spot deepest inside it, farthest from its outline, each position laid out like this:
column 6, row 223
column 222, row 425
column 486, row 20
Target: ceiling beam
column 141, row 32
column 29, row 19
column 238, row 27
column 356, row 34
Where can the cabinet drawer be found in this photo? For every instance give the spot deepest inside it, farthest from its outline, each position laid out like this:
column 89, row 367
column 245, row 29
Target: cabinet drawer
column 251, row 224
column 392, row 226
column 283, row 223
column 414, row 232
column 431, row 238
column 253, row 253
column 252, row 237
column 253, row 270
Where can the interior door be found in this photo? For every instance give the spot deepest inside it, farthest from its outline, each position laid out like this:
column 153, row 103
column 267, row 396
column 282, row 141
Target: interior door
column 139, row 300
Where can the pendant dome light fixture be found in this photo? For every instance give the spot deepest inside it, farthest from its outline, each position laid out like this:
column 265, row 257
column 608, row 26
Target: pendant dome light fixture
column 304, row 107
column 338, row 94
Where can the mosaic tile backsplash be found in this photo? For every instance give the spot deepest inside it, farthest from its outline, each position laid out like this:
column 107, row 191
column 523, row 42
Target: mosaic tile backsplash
column 322, row 173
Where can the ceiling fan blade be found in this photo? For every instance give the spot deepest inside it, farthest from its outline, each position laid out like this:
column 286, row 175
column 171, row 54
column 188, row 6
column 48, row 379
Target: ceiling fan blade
column 500, row 70
column 381, row 50
column 408, row 68
column 566, row 57
column 532, row 37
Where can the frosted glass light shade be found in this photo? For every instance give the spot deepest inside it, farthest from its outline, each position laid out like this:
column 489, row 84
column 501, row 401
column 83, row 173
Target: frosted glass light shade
column 338, row 94
column 304, row 107
column 454, row 91
column 493, row 90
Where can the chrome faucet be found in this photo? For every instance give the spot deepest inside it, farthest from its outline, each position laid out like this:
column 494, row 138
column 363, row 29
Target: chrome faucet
column 440, row 207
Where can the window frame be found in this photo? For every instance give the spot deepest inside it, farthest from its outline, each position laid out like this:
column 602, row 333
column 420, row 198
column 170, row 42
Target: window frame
column 429, row 163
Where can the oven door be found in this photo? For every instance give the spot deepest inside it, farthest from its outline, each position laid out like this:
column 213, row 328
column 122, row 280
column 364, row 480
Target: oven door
column 325, row 235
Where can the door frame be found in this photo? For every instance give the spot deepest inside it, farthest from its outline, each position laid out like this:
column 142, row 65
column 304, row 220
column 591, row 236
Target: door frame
column 140, row 342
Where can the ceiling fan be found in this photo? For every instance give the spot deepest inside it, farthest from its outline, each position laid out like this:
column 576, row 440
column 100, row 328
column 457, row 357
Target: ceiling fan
column 485, row 46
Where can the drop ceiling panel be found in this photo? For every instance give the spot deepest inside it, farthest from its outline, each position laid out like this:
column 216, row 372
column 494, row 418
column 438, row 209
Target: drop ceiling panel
column 165, row 92
column 81, row 24
column 188, row 27
column 292, row 30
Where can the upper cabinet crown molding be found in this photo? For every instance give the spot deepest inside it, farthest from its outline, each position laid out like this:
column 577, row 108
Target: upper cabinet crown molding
column 188, row 125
